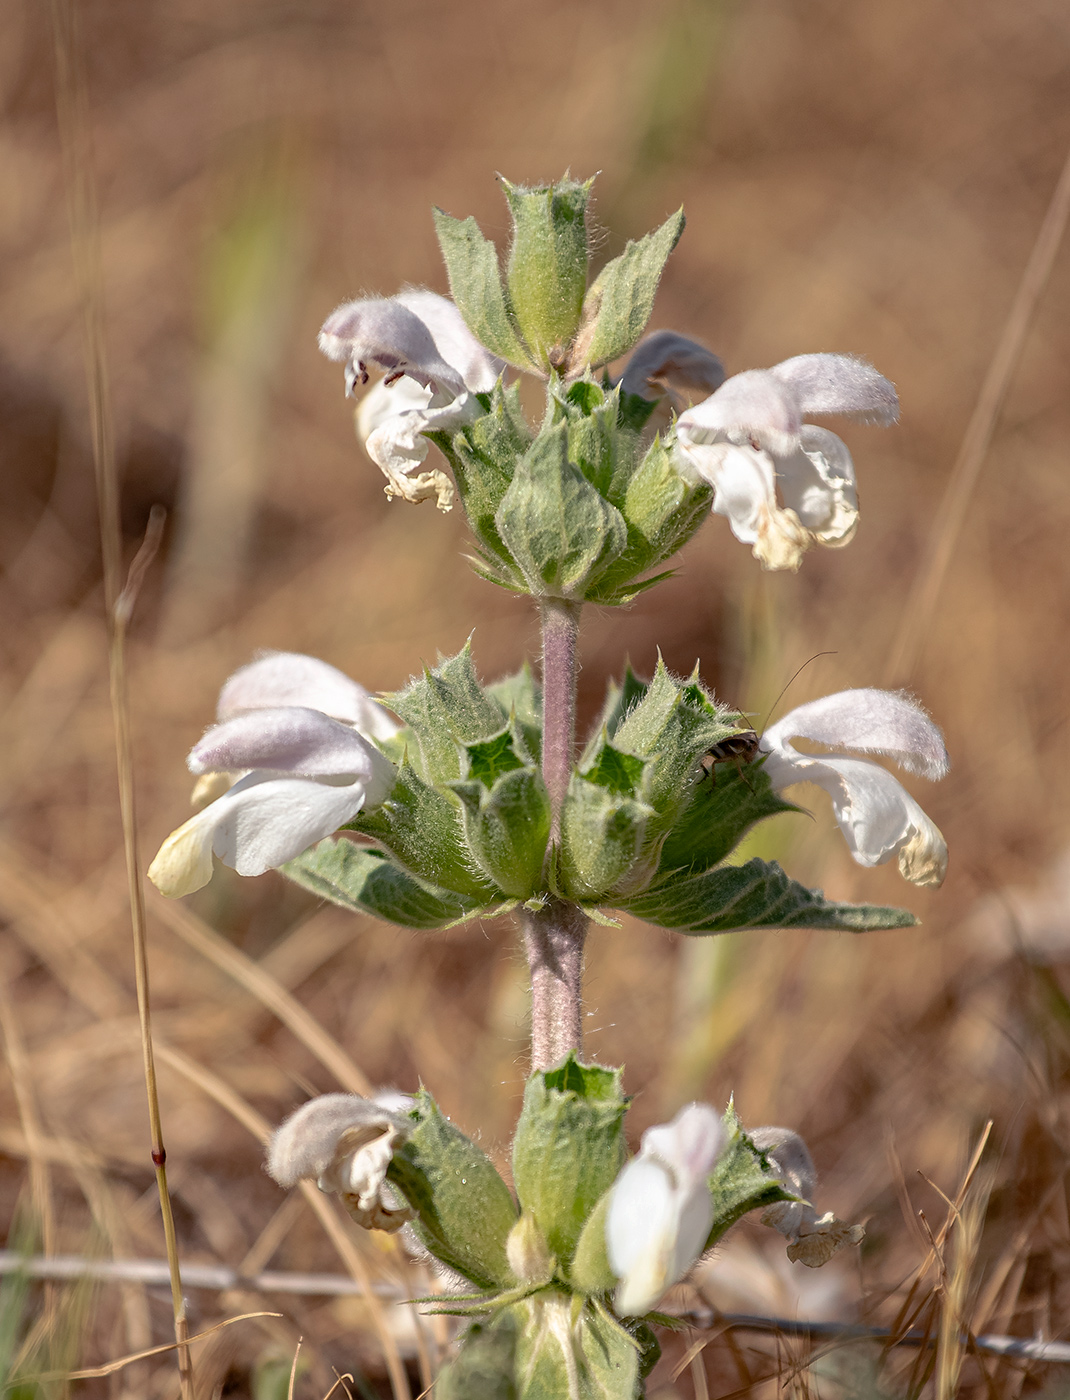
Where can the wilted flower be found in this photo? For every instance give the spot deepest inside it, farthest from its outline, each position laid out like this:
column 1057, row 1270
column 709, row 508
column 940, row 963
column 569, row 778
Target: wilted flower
column 344, row 1143
column 812, row 1239
column 749, row 442
column 878, row 818
column 295, row 728
column 660, row 1210
column 433, row 366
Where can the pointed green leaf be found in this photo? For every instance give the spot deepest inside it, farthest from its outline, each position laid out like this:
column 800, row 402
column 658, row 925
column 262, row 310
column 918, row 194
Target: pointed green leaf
column 621, row 300
column 722, row 807
column 559, row 530
column 755, row 895
column 547, row 269
column 464, row 1209
column 445, row 708
column 367, row 881
column 620, row 698
column 568, row 1148
column 476, row 286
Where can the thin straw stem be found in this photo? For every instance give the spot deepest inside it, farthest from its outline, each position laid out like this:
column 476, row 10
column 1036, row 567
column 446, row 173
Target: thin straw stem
column 72, row 111
column 947, row 525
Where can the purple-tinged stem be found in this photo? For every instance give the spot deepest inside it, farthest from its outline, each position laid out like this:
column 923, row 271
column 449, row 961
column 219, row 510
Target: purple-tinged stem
column 554, row 935
column 560, row 626
column 553, row 941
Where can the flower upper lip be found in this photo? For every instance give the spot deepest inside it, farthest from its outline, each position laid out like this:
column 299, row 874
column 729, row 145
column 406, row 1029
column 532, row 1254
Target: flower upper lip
column 749, row 439
column 304, row 772
column 877, row 816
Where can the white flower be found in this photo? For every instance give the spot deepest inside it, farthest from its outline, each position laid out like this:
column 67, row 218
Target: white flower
column 748, row 441
column 660, row 1210
column 344, row 1143
column 878, row 818
column 295, row 728
column 812, row 1239
column 433, row 366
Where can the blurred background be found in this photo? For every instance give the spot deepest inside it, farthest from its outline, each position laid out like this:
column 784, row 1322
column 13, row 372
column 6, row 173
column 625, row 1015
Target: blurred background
column 859, row 177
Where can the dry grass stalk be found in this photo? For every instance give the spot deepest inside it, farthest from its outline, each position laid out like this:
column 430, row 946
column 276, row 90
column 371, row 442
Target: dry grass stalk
column 920, row 607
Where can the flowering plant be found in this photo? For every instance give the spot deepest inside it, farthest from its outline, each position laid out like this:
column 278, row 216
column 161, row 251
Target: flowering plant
column 477, row 800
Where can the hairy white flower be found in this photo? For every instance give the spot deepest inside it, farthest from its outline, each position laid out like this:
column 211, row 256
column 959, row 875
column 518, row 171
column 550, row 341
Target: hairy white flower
column 748, row 440
column 433, row 365
column 878, row 818
column 308, row 769
column 812, row 1239
column 660, row 1210
column 344, row 1142
column 669, row 362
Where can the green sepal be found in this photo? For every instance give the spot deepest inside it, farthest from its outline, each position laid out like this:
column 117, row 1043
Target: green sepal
column 590, row 1270
column 620, row 698
column 485, row 1366
column 464, row 1210
column 423, row 829
column 547, row 268
column 483, row 456
column 673, row 725
column 662, row 510
column 521, row 700
column 568, row 1148
column 602, row 830
column 605, row 451
column 619, row 304
column 720, row 810
column 755, row 895
column 369, row 882
column 635, row 411
column 476, row 287
column 741, row 1181
column 560, row 532
column 507, row 826
column 567, row 1348
column 445, row 708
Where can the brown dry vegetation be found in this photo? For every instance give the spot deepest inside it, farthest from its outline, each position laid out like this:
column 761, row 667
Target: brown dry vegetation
column 863, row 177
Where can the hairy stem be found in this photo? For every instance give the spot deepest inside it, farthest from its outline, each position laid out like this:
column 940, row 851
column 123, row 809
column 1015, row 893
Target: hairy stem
column 560, row 626
column 554, row 935
column 553, row 940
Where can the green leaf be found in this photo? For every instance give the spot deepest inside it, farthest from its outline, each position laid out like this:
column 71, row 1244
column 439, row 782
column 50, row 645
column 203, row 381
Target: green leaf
column 568, row 1148
column 547, row 269
column 485, row 1365
column 463, row 1207
column 507, row 828
column 423, row 829
column 621, row 300
column 476, row 286
column 561, row 533
column 487, row 761
column 446, row 708
column 367, row 881
column 721, row 809
column 755, row 895
column 742, row 1180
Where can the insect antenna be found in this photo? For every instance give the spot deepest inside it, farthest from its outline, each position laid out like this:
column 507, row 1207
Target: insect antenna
column 795, row 677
